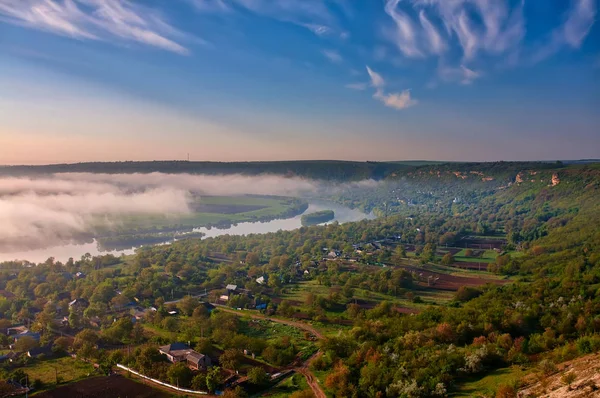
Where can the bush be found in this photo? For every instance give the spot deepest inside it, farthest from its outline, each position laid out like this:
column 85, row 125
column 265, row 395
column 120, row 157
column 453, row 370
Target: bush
column 568, row 378
column 505, row 391
column 547, row 367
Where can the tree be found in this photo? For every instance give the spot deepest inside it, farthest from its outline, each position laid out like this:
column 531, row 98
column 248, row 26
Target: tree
column 85, row 336
column 252, row 259
column 466, row 293
column 258, row 376
column 187, row 305
column 303, row 394
column 62, row 343
column 25, row 344
column 203, row 345
column 339, row 380
column 213, row 378
column 230, row 359
column 428, row 253
column 237, row 392
column 399, row 254
column 180, row 375
column 448, row 259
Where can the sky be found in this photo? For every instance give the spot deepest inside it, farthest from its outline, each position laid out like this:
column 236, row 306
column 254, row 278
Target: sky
column 227, row 80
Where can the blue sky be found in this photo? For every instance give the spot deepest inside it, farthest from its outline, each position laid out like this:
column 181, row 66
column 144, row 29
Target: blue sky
column 298, row 79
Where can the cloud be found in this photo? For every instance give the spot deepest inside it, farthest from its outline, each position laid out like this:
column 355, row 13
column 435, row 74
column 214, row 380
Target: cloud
column 105, row 20
column 462, row 74
column 405, row 36
column 397, row 101
column 437, row 45
column 487, row 26
column 313, row 15
column 577, row 25
column 376, row 79
column 333, row 56
column 51, row 210
column 319, row 30
column 211, row 5
column 357, row 86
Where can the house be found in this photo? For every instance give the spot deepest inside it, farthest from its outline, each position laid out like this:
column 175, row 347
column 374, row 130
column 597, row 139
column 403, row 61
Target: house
column 34, row 335
column 16, row 330
column 139, row 314
column 95, row 321
column 79, row 303
column 36, row 352
column 333, row 254
column 180, row 352
column 231, row 288
column 260, row 280
column 80, row 275
column 197, row 361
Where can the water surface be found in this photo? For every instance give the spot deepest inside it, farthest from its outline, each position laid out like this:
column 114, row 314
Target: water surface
column 62, row 253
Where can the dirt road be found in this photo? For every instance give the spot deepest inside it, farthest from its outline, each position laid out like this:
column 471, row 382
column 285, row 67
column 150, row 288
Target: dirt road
column 304, row 368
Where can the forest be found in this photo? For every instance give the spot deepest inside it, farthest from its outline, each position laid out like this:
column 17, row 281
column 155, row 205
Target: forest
column 468, row 270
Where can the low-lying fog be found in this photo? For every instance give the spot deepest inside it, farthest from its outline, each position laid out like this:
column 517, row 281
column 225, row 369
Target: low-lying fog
column 51, row 210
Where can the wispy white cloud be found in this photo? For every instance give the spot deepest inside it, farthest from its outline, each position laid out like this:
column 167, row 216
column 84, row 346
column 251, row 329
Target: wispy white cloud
column 462, row 74
column 333, row 56
column 357, row 86
column 478, row 25
column 405, row 34
column 376, row 79
column 481, row 27
column 437, row 45
column 104, row 20
column 314, row 15
column 319, row 30
column 397, row 101
column 211, row 5
column 572, row 32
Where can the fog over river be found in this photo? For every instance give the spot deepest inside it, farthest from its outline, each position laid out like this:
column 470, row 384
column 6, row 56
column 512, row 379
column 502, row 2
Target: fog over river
column 43, row 215
column 63, row 252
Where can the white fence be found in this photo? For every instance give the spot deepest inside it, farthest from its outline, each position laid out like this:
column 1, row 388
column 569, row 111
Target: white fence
column 161, row 382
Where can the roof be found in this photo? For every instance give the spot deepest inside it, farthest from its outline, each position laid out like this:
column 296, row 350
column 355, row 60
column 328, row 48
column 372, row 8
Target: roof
column 34, row 352
column 174, row 347
column 230, row 287
column 78, row 301
column 34, row 335
column 195, row 357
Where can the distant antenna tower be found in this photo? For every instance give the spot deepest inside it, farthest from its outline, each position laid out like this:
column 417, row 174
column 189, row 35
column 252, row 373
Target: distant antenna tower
column 188, row 157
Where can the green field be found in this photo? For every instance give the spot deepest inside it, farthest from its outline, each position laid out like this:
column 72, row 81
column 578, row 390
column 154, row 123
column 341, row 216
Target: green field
column 488, row 256
column 134, row 230
column 67, row 370
column 214, row 210
column 486, row 386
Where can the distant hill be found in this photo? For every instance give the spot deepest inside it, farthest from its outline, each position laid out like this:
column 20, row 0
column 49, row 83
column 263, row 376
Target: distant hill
column 315, row 169
column 334, row 170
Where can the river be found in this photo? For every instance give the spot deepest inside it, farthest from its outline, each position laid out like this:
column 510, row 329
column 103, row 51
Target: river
column 62, row 253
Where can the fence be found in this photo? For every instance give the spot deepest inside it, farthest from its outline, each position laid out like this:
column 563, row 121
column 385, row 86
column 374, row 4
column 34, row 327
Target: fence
column 161, row 382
